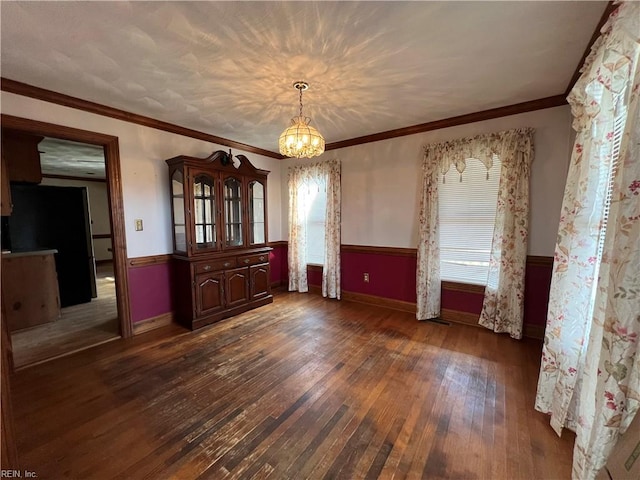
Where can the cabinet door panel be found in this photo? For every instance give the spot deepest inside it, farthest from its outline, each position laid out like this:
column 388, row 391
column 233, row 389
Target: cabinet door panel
column 209, row 293
column 204, row 211
column 233, row 212
column 178, row 211
column 257, row 213
column 237, row 286
column 259, row 281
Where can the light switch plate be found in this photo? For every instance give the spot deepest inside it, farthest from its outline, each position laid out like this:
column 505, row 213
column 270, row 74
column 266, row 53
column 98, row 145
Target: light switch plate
column 138, row 224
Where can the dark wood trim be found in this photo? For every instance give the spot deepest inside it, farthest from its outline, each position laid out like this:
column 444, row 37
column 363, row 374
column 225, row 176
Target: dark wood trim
column 448, row 315
column 535, row 260
column 609, row 9
column 539, row 261
column 19, row 88
column 104, row 262
column 119, row 236
column 114, row 191
column 462, row 287
column 379, row 301
column 9, row 451
column 314, row 268
column 455, row 316
column 505, row 111
column 533, row 331
column 393, row 251
column 95, row 236
column 149, row 260
column 72, row 177
column 153, row 323
column 278, row 243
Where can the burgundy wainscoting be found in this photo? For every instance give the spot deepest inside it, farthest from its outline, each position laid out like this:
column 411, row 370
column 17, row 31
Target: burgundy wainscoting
column 461, row 301
column 150, row 291
column 390, row 276
column 537, row 285
column 278, row 263
column 314, row 275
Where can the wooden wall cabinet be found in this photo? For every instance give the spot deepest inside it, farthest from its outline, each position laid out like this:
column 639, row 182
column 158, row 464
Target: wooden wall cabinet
column 219, row 222
column 20, row 151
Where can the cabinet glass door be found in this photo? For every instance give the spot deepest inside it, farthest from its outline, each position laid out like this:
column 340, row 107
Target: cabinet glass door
column 256, row 213
column 233, row 212
column 177, row 197
column 204, row 208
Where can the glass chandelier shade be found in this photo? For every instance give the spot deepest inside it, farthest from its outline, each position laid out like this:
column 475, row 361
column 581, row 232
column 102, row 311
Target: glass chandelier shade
column 301, row 140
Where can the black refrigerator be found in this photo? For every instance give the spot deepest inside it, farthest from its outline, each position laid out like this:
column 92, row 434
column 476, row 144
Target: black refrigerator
column 48, row 217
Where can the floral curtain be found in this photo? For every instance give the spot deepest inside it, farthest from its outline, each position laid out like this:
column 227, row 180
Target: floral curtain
column 302, row 179
column 428, row 272
column 502, row 309
column 503, row 304
column 298, row 207
column 590, row 370
column 331, row 268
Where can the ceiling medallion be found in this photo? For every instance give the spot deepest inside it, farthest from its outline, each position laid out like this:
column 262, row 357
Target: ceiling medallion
column 301, row 140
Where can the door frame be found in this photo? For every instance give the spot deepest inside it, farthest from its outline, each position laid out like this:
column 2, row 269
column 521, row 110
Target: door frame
column 111, row 149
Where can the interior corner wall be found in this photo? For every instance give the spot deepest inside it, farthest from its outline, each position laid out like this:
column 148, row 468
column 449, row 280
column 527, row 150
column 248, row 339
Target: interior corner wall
column 145, row 177
column 381, row 181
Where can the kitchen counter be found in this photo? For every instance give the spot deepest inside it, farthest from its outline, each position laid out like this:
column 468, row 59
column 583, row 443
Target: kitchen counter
column 28, row 254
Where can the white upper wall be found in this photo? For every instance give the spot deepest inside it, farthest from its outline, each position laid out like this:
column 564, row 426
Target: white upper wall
column 381, row 181
column 145, row 181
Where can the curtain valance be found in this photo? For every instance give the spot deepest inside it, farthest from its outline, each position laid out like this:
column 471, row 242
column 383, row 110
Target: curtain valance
column 439, row 157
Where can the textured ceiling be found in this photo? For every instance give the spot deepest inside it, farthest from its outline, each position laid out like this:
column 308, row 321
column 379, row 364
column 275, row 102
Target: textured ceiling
column 62, row 157
column 226, row 68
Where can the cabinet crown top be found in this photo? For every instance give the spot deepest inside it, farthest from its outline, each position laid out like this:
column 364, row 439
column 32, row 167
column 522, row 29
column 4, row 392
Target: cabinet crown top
column 220, row 160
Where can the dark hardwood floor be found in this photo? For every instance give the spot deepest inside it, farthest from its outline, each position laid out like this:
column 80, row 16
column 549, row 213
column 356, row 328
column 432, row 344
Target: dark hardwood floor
column 302, row 388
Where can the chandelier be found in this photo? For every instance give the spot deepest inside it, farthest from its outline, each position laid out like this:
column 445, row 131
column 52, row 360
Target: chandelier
column 301, row 140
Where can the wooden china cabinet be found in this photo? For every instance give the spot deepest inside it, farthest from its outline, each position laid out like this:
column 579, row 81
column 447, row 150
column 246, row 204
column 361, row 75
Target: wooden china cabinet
column 221, row 258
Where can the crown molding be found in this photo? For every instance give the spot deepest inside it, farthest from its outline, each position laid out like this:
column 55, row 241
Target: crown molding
column 19, row 88
column 530, row 106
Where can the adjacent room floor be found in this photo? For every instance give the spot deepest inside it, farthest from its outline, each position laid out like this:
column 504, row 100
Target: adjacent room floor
column 302, row 388
column 79, row 326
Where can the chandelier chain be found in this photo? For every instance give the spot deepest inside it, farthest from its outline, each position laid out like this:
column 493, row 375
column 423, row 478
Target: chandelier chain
column 300, row 89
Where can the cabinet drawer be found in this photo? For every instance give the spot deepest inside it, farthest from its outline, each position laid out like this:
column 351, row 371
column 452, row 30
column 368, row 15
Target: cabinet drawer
column 214, row 265
column 253, row 259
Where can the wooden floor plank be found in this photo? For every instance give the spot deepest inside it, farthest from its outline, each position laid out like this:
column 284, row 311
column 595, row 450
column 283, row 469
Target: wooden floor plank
column 302, row 388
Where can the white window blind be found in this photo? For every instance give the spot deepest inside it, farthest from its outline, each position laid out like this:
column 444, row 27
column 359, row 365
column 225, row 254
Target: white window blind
column 316, row 208
column 467, row 211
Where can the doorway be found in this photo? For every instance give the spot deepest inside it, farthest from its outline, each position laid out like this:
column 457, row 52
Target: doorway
column 106, row 315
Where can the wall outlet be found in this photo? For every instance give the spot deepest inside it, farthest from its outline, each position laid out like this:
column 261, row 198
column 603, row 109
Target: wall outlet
column 138, row 224
column 365, row 277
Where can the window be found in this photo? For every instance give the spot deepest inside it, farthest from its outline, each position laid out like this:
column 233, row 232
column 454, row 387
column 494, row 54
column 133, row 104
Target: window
column 467, row 211
column 605, row 188
column 315, row 198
